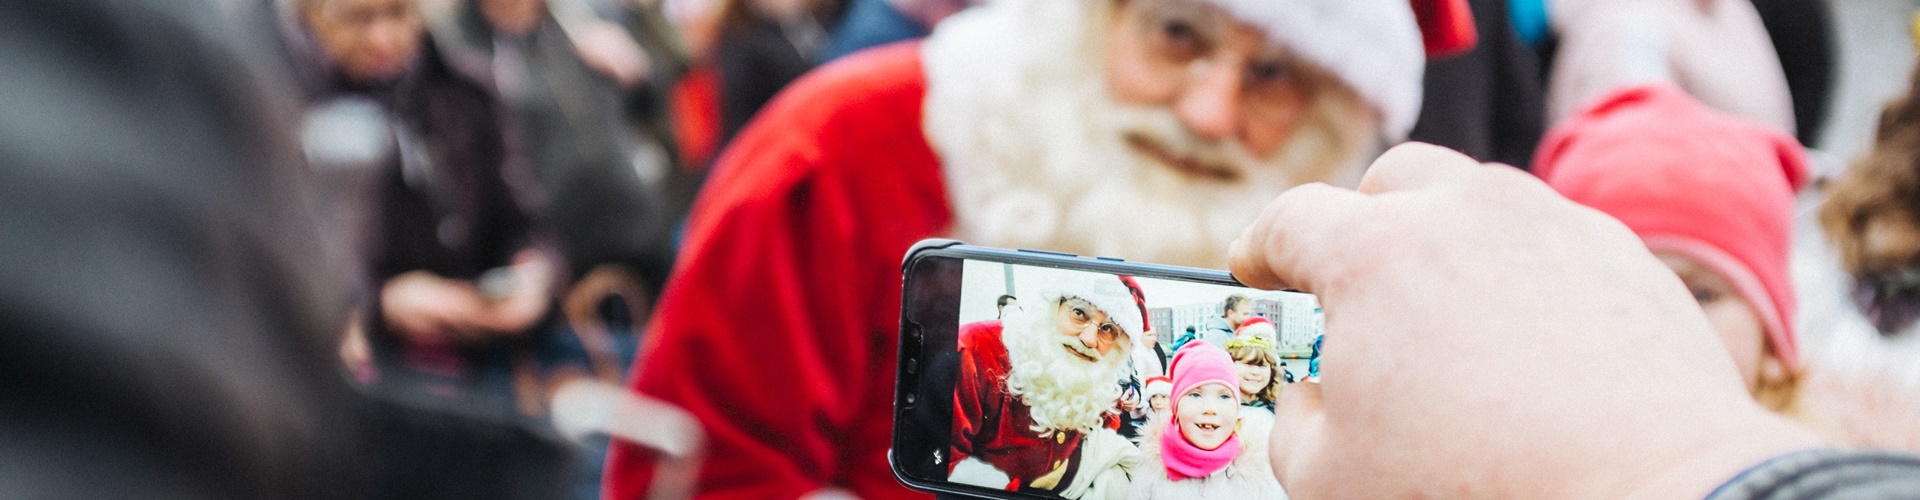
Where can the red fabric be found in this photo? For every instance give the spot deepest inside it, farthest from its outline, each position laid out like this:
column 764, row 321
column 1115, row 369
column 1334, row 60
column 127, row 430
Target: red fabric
column 695, row 103
column 800, row 228
column 1446, row 26
column 1690, row 179
column 992, row 425
column 1254, row 321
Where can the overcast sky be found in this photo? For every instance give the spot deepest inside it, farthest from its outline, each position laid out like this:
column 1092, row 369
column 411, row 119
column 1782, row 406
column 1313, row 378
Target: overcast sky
column 984, row 282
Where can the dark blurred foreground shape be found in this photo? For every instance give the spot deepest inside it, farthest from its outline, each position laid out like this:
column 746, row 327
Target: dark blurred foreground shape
column 172, row 314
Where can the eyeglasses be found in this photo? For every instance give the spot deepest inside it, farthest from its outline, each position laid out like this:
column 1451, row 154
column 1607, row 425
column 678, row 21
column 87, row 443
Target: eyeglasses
column 1081, row 313
column 1197, row 38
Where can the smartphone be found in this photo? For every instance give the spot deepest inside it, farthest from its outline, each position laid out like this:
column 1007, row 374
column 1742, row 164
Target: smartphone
column 1025, row 373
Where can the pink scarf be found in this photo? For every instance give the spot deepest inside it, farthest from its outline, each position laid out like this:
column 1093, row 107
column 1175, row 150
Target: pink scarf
column 1184, row 460
column 1198, row 363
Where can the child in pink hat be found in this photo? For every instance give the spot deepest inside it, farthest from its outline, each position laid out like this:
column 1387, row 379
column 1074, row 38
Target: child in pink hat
column 1199, row 448
column 1712, row 196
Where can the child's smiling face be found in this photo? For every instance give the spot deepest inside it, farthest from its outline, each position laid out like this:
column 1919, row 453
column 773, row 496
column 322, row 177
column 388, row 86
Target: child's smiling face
column 1208, row 415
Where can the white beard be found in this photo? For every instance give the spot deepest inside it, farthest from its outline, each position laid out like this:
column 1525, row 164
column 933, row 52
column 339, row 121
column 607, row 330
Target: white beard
column 1063, row 392
column 1035, row 155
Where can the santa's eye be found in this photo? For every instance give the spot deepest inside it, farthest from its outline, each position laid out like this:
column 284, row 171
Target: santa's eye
column 1079, row 313
column 1180, row 41
column 1179, row 32
column 1261, row 75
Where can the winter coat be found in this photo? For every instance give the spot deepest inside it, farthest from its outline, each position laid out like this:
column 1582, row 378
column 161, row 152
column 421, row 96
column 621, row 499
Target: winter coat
column 1250, row 476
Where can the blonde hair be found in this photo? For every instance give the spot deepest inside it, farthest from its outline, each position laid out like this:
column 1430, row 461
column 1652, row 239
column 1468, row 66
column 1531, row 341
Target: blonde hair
column 1780, row 395
column 1256, row 355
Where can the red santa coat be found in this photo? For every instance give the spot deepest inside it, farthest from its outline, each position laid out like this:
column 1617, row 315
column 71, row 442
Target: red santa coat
column 779, row 329
column 993, row 426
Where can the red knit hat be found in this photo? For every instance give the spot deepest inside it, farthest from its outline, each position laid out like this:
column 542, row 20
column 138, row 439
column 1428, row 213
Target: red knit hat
column 1253, row 326
column 1691, row 181
column 1158, row 385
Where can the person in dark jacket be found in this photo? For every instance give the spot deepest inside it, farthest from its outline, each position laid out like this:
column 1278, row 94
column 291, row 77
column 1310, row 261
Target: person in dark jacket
column 579, row 92
column 763, row 46
column 1487, row 102
column 872, row 23
column 459, row 276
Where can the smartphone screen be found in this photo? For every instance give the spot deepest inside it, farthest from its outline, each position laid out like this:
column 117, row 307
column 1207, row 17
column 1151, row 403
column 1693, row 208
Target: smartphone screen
column 1045, row 380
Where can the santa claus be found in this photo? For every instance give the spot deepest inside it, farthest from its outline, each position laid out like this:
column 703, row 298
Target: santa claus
column 1145, row 129
column 1037, row 398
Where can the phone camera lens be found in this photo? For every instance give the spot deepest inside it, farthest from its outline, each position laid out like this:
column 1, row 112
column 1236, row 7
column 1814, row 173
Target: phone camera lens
column 911, row 397
column 912, row 365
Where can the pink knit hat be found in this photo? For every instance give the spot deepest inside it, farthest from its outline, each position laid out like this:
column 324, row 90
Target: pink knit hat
column 1691, row 181
column 1198, row 363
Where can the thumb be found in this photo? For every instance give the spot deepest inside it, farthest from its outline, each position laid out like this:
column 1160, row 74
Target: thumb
column 1298, row 425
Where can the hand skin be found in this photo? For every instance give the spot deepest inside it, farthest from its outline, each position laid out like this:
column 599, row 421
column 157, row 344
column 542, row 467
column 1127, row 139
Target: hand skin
column 606, row 47
column 1476, row 322
column 429, row 309
column 533, row 277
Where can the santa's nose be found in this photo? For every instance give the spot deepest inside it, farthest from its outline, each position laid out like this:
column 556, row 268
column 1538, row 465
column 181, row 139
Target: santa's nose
column 1210, row 105
column 1090, row 337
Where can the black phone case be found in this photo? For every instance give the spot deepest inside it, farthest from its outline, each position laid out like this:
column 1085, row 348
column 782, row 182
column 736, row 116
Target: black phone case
column 919, row 419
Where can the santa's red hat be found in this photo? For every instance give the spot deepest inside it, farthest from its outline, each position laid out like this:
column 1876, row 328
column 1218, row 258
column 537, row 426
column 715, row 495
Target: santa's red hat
column 1446, row 26
column 1692, row 181
column 1257, row 325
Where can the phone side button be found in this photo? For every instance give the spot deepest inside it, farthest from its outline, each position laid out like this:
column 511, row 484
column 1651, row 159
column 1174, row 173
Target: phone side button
column 1049, row 252
column 1115, row 259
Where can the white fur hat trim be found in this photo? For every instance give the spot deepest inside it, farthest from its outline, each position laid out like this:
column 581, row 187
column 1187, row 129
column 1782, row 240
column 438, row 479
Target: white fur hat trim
column 1373, row 45
column 1105, row 292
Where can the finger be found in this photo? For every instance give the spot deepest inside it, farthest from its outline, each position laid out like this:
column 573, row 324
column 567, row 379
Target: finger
column 1412, row 165
column 1291, row 244
column 1298, row 416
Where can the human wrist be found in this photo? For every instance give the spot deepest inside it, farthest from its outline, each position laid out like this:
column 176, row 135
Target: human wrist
column 1699, row 471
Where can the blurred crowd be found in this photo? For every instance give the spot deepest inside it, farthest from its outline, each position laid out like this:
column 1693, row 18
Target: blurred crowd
column 629, row 248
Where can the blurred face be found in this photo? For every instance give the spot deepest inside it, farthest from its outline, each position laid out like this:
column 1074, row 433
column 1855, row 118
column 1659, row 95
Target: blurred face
column 1736, row 321
column 1086, row 330
column 368, row 40
column 513, row 16
column 1158, row 403
column 1239, row 315
column 1219, row 75
column 1253, row 378
column 1207, row 415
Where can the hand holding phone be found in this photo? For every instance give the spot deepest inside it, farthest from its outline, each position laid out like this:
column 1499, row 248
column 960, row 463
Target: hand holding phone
column 1460, row 261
